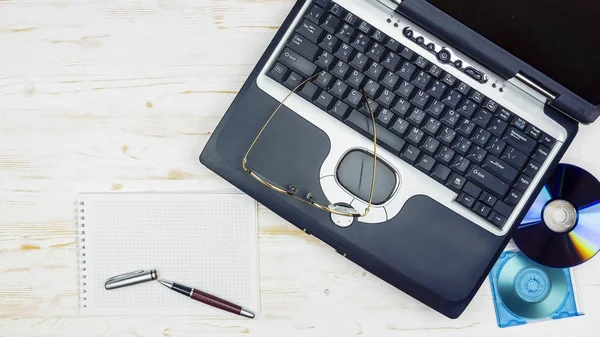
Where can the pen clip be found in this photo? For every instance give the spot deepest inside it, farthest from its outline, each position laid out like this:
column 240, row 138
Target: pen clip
column 131, row 278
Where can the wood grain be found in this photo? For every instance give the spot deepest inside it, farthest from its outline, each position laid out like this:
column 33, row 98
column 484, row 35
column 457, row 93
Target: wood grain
column 109, row 95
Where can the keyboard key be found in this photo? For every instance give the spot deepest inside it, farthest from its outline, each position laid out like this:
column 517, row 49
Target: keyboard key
column 310, row 91
column 407, row 71
column 378, row 36
column 435, row 71
column 420, row 100
column 377, row 52
column 500, row 169
column 405, row 90
column 340, row 110
column 436, row 108
column 311, row 31
column 477, row 155
column 390, row 80
column 315, row 14
column 400, row 127
column 456, row 182
column 476, row 97
column 481, row 137
column 430, row 146
column 497, row 127
column 386, row 98
column 324, row 101
column 519, row 123
column 351, row 18
column 482, row 210
column 441, row 173
column 356, row 79
column 445, row 155
column 532, row 168
column 391, row 61
column 452, row 99
column 437, row 89
column 467, row 108
column 363, row 109
column 461, row 164
column 410, row 155
column 354, row 99
column 472, row 189
column 407, row 53
column 533, row 132
column 503, row 209
column 432, row 126
column 331, row 23
column 415, row 136
column 375, row 71
column 339, row 89
column 365, row 27
column 337, row 10
column 278, row 72
column 496, row 146
column 523, row 183
column 462, row 146
column 417, row 117
column 393, row 45
column 490, row 105
column 297, row 63
column 385, row 117
column 426, row 164
column 324, row 80
column 504, row 114
column 360, row 62
column 541, row 154
column 389, row 141
column 341, row 70
column 447, row 136
column 344, row 53
column 449, row 79
column 514, row 157
column 520, row 141
column 325, row 61
column 487, row 181
column 513, row 197
column 360, row 123
column 402, row 108
column 466, row 128
column 482, row 118
column 330, row 43
column 497, row 219
column 451, row 118
column 463, row 88
column 465, row 200
column 346, row 33
column 422, row 80
column 361, row 42
column 547, row 141
column 372, row 88
column 421, row 62
column 322, row 3
column 293, row 81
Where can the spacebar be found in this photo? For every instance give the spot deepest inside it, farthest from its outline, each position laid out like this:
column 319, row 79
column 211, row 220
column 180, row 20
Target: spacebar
column 385, row 138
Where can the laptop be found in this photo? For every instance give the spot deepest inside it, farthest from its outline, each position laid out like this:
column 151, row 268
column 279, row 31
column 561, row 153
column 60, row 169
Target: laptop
column 473, row 104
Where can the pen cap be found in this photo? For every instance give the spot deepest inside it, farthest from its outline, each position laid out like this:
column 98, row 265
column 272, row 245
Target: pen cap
column 128, row 279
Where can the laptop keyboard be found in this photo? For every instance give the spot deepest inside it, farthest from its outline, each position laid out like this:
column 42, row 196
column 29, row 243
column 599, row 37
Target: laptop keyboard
column 462, row 139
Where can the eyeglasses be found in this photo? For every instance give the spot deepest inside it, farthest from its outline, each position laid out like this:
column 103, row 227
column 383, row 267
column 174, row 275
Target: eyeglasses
column 291, row 190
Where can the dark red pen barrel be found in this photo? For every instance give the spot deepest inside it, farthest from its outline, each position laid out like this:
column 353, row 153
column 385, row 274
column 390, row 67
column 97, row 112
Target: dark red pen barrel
column 214, row 301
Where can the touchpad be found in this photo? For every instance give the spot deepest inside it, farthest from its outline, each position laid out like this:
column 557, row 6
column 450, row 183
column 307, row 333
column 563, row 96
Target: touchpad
column 355, row 173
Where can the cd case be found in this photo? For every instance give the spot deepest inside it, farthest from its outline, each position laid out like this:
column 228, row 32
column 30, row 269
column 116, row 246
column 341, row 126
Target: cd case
column 525, row 291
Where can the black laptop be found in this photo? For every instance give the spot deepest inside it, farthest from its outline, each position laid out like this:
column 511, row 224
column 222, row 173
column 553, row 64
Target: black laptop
column 473, row 104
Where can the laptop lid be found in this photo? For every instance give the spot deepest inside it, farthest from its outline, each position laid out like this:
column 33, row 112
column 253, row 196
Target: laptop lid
column 549, row 45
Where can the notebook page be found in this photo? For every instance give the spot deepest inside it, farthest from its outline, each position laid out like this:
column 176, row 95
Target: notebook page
column 202, row 240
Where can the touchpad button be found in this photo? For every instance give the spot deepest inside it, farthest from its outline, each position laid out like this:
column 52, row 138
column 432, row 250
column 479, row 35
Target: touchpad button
column 355, row 173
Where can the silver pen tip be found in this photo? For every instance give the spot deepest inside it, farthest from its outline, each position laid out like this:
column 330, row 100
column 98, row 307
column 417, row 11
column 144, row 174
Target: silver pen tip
column 166, row 283
column 246, row 313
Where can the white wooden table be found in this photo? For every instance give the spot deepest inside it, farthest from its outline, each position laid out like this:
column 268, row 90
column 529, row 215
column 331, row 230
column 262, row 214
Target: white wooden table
column 104, row 95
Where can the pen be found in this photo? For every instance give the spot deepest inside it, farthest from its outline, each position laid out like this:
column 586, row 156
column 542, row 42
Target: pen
column 209, row 299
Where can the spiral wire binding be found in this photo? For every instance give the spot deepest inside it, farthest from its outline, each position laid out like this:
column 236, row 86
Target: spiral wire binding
column 81, row 258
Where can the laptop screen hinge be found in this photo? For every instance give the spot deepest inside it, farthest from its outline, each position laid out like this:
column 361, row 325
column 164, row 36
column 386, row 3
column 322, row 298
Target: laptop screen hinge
column 391, row 4
column 538, row 88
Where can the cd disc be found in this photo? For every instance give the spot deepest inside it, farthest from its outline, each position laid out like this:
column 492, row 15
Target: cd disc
column 531, row 290
column 562, row 228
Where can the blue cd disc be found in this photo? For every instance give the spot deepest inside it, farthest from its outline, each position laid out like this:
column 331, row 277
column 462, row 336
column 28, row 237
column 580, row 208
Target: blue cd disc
column 562, row 227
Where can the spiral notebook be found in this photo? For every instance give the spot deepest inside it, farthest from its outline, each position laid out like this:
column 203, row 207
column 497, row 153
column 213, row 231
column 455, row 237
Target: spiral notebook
column 203, row 240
